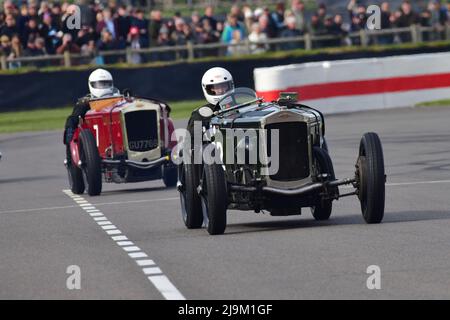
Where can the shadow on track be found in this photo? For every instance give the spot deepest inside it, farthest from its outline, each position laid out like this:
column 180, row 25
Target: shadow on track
column 28, row 179
column 136, row 190
column 390, row 217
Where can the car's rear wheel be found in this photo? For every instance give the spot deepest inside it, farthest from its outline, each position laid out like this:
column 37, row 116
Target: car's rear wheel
column 370, row 178
column 169, row 175
column 214, row 198
column 191, row 208
column 91, row 163
column 323, row 206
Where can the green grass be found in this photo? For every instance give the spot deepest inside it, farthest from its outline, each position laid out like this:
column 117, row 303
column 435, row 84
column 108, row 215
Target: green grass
column 54, row 119
column 436, row 103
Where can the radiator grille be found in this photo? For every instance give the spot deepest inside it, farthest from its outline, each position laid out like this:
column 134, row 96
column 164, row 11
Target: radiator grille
column 293, row 150
column 142, row 130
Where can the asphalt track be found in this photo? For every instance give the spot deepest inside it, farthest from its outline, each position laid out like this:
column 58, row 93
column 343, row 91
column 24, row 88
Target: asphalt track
column 43, row 230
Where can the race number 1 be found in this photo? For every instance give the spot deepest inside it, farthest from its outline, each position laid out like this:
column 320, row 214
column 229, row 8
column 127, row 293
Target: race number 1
column 96, row 133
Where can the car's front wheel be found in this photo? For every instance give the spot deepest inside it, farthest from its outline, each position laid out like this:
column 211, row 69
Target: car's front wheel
column 323, row 207
column 191, row 208
column 75, row 176
column 370, row 178
column 214, row 198
column 91, row 163
column 169, row 175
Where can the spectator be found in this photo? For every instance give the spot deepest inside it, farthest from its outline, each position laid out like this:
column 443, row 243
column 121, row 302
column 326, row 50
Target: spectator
column 141, row 23
column 5, row 46
column 407, row 18
column 248, row 17
column 163, row 41
column 155, row 26
column 291, row 31
column 209, row 15
column 16, row 52
column 134, row 42
column 236, row 47
column 232, row 25
column 236, row 11
column 298, row 10
column 68, row 45
column 123, row 23
column 107, row 43
column 257, row 38
column 278, row 17
column 9, row 28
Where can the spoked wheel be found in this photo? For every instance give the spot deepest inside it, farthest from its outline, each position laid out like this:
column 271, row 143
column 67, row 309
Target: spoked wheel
column 323, row 207
column 214, row 198
column 91, row 163
column 191, row 208
column 370, row 178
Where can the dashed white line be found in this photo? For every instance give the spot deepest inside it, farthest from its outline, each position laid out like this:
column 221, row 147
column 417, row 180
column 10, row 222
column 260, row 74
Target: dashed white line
column 149, row 267
column 119, row 238
column 124, row 243
column 110, row 227
column 131, row 249
column 146, row 262
column 135, row 255
column 103, row 223
column 110, row 232
column 166, row 287
column 152, row 270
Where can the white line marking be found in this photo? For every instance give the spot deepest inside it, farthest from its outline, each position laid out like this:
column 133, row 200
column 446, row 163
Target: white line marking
column 96, row 214
column 394, row 184
column 100, row 218
column 88, row 208
column 125, row 243
column 145, row 262
column 152, row 270
column 135, row 255
column 76, row 206
column 131, row 249
column 119, row 238
column 110, row 227
column 103, row 223
column 168, row 290
column 85, row 205
column 110, row 232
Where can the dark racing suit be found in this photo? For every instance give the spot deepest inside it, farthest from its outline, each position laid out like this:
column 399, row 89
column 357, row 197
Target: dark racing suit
column 80, row 109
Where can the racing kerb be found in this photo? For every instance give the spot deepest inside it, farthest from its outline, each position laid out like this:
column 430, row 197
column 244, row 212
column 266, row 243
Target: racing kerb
column 363, row 84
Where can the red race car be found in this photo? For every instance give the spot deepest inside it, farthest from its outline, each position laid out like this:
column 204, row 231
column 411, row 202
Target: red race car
column 121, row 139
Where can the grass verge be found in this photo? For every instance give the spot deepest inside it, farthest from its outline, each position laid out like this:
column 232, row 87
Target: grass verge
column 436, row 103
column 54, row 119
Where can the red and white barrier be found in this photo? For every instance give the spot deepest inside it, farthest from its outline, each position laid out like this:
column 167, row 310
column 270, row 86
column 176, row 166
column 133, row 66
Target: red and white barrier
column 362, row 84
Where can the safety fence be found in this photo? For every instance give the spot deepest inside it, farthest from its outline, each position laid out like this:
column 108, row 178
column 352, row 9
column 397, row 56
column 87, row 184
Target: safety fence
column 191, row 51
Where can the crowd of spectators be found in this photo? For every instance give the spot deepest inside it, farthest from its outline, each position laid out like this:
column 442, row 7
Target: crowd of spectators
column 36, row 28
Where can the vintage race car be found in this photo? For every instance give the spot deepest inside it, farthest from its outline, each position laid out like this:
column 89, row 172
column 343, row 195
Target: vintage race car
column 303, row 174
column 121, row 139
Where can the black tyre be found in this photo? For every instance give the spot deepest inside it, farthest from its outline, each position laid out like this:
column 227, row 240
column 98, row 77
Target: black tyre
column 214, row 198
column 191, row 207
column 170, row 175
column 75, row 178
column 91, row 163
column 323, row 207
column 370, row 178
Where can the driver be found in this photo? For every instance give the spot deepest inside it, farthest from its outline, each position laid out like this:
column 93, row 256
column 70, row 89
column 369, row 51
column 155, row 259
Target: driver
column 216, row 84
column 100, row 84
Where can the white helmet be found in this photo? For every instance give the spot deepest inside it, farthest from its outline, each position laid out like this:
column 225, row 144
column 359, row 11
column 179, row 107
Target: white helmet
column 216, row 83
column 100, row 83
